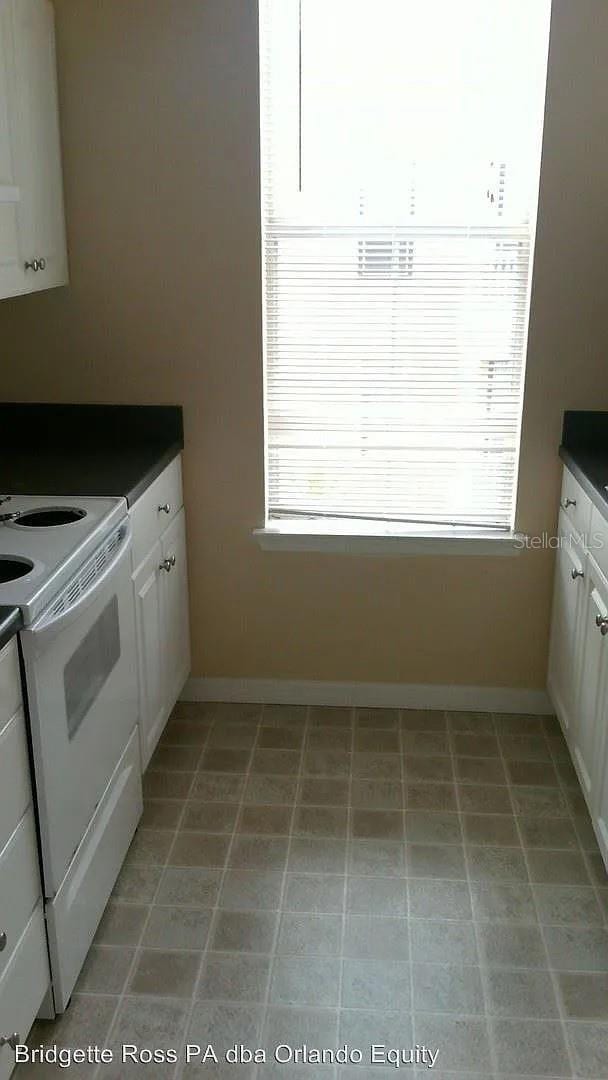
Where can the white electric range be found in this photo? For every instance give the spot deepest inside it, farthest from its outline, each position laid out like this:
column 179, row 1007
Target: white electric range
column 65, row 563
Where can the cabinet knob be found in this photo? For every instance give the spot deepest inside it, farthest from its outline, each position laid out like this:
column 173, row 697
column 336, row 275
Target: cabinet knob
column 568, row 502
column 33, row 264
column 166, row 565
column 11, row 1040
column 576, row 573
column 164, row 508
column 3, row 941
column 42, row 264
column 601, row 621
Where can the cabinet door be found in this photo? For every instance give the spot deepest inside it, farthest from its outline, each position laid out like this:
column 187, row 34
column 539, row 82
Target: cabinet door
column 176, row 623
column 601, row 814
column 148, row 591
column 568, row 594
column 37, row 143
column 587, row 721
column 12, row 274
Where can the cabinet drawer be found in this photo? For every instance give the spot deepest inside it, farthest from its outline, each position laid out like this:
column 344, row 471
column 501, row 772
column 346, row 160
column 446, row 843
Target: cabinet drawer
column 15, row 788
column 575, row 504
column 19, row 885
column 10, row 683
column 23, row 987
column 155, row 509
column 74, row 913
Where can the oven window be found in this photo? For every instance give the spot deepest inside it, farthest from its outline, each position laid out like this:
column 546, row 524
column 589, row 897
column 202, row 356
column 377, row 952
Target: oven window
column 89, row 667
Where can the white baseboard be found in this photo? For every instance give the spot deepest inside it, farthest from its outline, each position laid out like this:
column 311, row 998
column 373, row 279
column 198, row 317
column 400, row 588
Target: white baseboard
column 369, row 695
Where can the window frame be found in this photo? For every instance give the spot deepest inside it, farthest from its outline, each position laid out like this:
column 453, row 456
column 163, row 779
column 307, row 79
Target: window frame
column 374, row 537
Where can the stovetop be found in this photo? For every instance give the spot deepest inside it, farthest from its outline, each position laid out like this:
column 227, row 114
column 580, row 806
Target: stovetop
column 43, row 550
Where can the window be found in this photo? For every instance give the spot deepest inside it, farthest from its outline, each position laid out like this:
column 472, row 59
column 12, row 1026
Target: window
column 400, row 163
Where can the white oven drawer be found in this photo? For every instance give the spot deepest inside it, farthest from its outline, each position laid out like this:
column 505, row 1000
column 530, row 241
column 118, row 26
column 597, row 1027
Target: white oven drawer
column 23, row 987
column 74, row 913
column 10, row 682
column 19, row 885
column 155, row 509
column 15, row 787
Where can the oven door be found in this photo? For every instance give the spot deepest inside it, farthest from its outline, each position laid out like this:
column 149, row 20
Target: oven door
column 80, row 663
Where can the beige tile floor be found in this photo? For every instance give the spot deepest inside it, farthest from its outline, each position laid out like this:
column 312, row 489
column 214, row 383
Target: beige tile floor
column 334, row 875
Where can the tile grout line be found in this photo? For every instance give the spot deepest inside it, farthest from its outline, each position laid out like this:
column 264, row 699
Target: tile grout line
column 349, row 817
column 406, row 879
column 480, row 966
column 572, row 818
column 179, row 1069
column 277, row 930
column 552, row 973
column 150, row 905
column 564, row 791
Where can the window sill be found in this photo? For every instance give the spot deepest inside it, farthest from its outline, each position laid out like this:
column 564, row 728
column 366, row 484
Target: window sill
column 360, row 539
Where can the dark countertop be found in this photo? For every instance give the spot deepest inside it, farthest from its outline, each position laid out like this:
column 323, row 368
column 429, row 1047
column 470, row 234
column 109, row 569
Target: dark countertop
column 584, row 449
column 83, row 450
column 86, row 449
column 10, row 623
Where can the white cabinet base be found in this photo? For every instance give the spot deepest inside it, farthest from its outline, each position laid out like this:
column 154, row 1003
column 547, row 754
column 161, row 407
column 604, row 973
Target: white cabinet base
column 578, row 655
column 160, row 587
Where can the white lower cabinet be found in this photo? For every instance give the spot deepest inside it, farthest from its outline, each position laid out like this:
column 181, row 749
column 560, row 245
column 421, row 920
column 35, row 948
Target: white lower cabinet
column 22, row 989
column 24, row 965
column 590, row 706
column 174, row 606
column 601, row 815
column 578, row 655
column 568, row 597
column 147, row 584
column 160, row 584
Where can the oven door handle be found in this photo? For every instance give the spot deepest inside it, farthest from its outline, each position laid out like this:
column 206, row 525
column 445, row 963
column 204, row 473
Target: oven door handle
column 46, row 628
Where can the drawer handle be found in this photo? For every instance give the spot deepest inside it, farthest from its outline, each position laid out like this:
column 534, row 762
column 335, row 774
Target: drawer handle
column 11, row 1040
column 577, row 573
column 3, row 940
column 164, row 508
column 601, row 621
column 167, row 564
column 568, row 502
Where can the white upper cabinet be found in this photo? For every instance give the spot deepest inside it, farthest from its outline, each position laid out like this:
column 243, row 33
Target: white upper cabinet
column 12, row 273
column 32, row 233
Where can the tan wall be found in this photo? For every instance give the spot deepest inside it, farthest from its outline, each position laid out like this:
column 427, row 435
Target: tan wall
column 159, row 115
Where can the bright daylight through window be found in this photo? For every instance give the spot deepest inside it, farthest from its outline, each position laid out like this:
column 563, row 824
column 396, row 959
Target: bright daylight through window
column 401, row 146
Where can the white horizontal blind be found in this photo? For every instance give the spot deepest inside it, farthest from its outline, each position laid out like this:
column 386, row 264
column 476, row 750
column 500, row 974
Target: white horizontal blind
column 400, row 160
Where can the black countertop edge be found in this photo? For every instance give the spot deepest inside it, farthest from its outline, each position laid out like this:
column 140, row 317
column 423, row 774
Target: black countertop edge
column 155, row 469
column 86, row 450
column 584, row 450
column 10, row 624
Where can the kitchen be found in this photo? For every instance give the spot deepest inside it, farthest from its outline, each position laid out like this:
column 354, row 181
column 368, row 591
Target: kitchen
column 142, row 334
